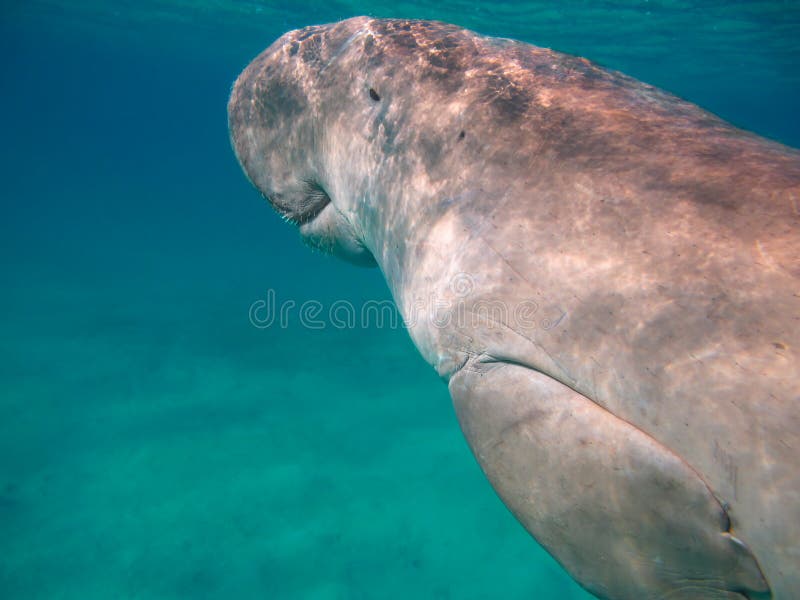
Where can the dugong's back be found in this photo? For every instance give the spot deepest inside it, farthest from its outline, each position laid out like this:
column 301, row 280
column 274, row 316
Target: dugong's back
column 646, row 427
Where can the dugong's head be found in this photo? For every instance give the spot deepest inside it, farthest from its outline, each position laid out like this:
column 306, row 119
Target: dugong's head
column 352, row 130
column 285, row 113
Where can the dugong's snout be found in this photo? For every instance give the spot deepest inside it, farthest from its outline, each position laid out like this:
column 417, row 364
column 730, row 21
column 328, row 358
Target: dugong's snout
column 270, row 120
column 278, row 121
column 262, row 132
column 301, row 208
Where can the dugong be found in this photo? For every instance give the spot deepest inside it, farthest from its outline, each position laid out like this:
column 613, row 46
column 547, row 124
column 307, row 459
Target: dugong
column 606, row 276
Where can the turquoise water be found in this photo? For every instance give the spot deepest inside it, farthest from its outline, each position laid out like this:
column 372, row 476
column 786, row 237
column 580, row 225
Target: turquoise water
column 153, row 442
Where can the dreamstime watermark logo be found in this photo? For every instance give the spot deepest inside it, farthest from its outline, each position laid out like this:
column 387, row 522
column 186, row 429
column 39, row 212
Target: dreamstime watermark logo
column 459, row 306
column 462, row 285
column 312, row 314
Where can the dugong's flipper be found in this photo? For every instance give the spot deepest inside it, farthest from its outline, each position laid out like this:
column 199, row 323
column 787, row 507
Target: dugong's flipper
column 622, row 513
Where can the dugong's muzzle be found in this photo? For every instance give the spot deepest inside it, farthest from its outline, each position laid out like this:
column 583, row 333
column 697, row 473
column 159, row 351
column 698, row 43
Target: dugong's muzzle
column 272, row 128
column 278, row 127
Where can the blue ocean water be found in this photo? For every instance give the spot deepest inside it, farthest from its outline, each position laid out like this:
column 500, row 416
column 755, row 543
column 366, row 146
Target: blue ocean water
column 154, row 443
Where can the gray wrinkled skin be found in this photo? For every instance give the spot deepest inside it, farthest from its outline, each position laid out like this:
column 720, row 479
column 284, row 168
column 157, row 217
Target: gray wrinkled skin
column 641, row 420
